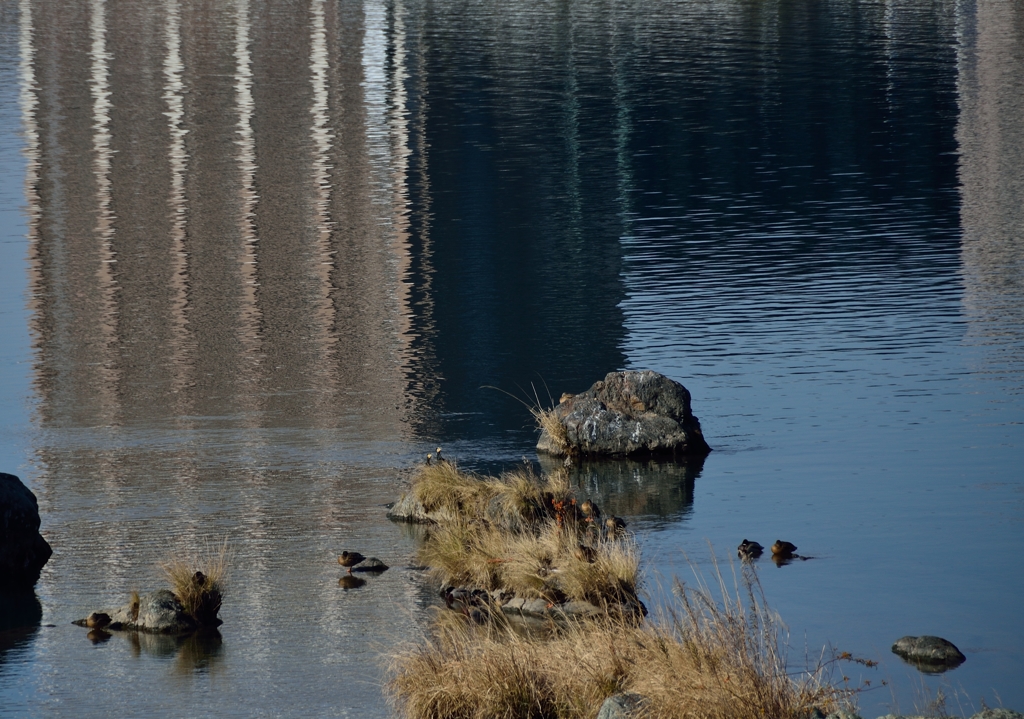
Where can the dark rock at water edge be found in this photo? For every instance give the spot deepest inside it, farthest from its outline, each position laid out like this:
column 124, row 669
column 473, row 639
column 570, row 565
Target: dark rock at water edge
column 372, row 565
column 627, row 413
column 621, row 706
column 158, row 612
column 929, row 653
column 23, row 551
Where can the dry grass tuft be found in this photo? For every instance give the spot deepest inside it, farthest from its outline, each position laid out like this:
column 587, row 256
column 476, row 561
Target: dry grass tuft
column 545, row 564
column 706, row 659
column 523, row 533
column 547, row 420
column 133, row 605
column 516, row 500
column 197, row 580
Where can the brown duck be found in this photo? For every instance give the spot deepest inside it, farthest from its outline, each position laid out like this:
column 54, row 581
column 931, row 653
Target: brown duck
column 783, row 549
column 350, row 559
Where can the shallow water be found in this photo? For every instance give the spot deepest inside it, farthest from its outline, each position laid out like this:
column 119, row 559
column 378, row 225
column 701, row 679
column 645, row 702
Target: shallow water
column 258, row 259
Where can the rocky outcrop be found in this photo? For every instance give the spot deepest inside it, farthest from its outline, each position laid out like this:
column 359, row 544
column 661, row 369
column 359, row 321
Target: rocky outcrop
column 409, row 509
column 158, row 612
column 929, row 653
column 23, row 551
column 626, row 413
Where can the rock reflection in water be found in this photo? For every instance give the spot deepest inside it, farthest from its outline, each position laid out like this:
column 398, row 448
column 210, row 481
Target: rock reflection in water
column 655, row 489
column 20, row 615
column 198, row 651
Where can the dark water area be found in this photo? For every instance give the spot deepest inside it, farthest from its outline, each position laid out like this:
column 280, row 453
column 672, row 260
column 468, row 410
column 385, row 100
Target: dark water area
column 257, row 259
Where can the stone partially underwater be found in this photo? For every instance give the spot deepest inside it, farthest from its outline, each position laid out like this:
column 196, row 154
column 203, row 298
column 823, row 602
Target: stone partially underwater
column 929, row 654
column 626, row 414
column 157, row 612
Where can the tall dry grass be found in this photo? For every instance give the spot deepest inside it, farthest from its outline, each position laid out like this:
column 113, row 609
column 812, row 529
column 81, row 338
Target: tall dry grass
column 545, row 564
column 197, row 580
column 516, row 500
column 547, row 420
column 706, row 658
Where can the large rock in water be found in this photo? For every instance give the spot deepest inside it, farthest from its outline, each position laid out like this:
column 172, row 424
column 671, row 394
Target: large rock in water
column 626, row 413
column 23, row 551
column 929, row 653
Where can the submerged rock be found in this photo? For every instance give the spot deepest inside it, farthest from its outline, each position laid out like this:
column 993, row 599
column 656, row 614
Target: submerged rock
column 23, row 551
column 929, row 653
column 372, row 565
column 626, row 413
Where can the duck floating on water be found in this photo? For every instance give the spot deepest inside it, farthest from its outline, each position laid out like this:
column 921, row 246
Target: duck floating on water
column 749, row 550
column 783, row 549
column 350, row 559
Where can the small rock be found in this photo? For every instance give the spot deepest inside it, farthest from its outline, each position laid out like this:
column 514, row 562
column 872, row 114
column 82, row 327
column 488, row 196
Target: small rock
column 535, row 607
column 578, row 609
column 932, row 652
column 371, row 565
column 620, row 706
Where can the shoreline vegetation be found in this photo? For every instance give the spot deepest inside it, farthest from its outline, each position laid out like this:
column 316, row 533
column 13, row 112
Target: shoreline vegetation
column 709, row 653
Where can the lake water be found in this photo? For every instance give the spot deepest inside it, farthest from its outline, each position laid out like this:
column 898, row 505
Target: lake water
column 257, row 258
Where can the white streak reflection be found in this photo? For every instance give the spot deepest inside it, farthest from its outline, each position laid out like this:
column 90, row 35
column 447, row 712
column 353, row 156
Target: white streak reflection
column 99, row 85
column 174, row 96
column 323, row 141
column 249, row 313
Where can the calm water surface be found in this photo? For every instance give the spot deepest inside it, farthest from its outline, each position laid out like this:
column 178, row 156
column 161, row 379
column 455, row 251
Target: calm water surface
column 257, row 258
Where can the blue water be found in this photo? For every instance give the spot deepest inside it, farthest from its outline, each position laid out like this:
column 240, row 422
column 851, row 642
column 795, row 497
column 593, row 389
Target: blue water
column 256, row 260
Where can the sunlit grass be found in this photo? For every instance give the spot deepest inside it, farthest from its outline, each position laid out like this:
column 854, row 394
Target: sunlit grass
column 197, row 580
column 705, row 658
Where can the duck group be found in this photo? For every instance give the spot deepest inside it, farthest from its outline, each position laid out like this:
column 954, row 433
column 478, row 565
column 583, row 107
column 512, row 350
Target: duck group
column 782, row 551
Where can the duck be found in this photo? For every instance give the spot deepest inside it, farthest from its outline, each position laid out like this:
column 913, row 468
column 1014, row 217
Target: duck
column 437, row 453
column 749, row 549
column 350, row 559
column 784, row 549
column 614, row 525
column 429, row 457
column 97, row 620
column 590, row 510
